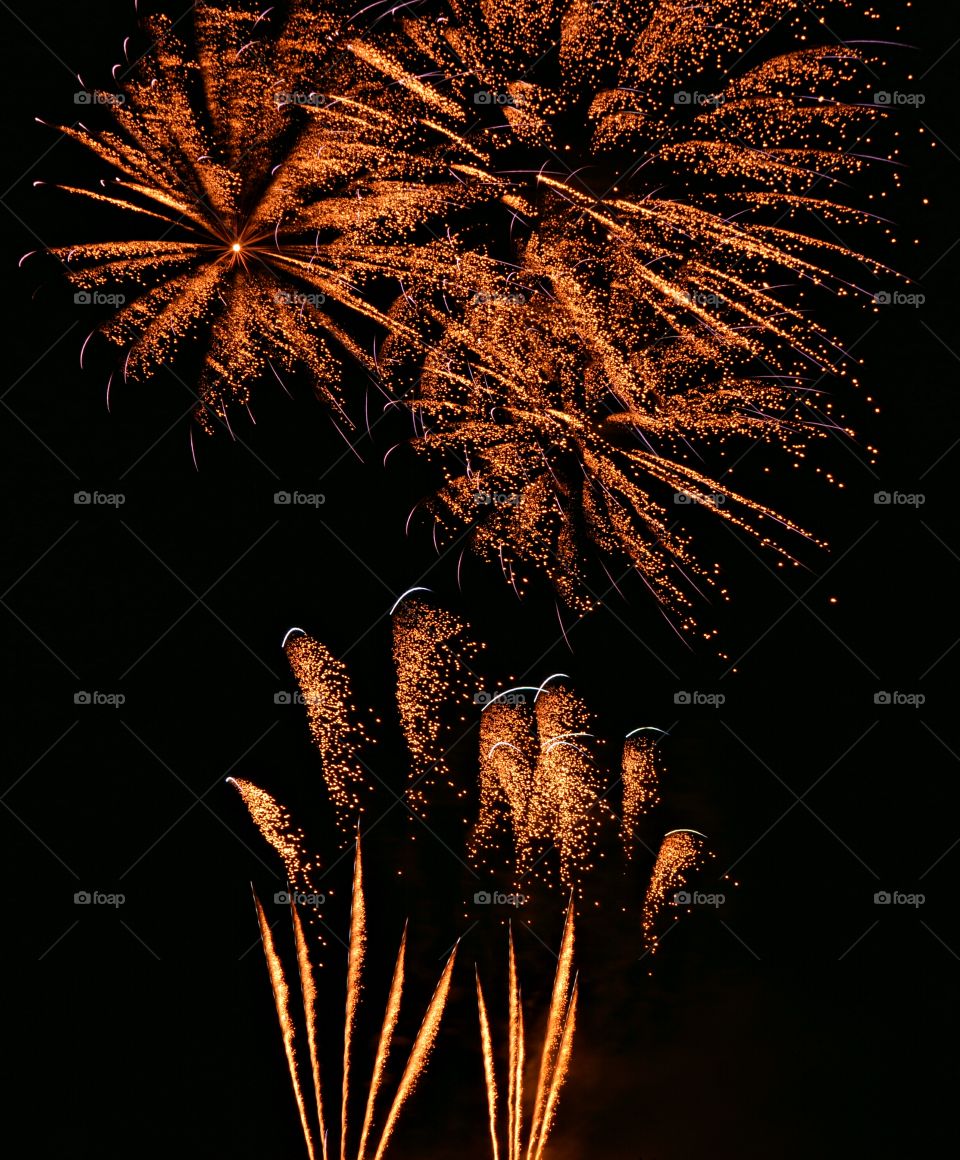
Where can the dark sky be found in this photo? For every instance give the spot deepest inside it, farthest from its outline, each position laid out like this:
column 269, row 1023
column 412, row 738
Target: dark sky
column 800, row 1020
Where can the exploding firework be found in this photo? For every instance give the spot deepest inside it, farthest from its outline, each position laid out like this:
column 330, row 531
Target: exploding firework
column 641, row 783
column 355, row 1145
column 655, row 275
column 274, row 822
column 585, row 239
column 281, row 183
column 338, row 736
column 545, row 804
column 681, row 851
column 540, row 783
column 555, row 1057
column 435, row 661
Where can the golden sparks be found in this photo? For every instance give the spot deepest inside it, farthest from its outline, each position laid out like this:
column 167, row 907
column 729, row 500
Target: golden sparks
column 340, row 738
column 680, row 852
column 555, row 1057
column 420, row 1050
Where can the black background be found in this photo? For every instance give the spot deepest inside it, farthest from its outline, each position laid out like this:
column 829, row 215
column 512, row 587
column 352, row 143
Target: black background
column 801, row 1019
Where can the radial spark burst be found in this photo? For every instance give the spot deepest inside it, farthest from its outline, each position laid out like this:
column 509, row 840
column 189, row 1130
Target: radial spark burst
column 277, row 183
column 675, row 209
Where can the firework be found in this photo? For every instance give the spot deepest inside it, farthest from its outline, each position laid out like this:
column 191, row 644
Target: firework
column 680, row 852
column 652, row 301
column 434, row 657
column 539, row 782
column 281, row 182
column 339, row 737
column 546, row 805
column 641, row 781
column 273, row 821
column 420, row 1051
column 554, row 1060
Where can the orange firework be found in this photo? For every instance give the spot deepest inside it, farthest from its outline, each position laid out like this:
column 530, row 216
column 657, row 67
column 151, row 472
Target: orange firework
column 554, row 1060
column 670, row 215
column 680, row 852
column 356, row 1146
column 337, row 734
column 434, row 657
column 273, row 821
column 539, row 781
column 282, row 182
column 641, row 780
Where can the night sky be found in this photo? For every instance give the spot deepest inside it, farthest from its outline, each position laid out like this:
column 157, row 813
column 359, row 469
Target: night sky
column 801, row 1019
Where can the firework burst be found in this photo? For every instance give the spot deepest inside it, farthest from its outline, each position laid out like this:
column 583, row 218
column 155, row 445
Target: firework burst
column 537, row 798
column 555, row 1058
column 367, row 1143
column 278, row 194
